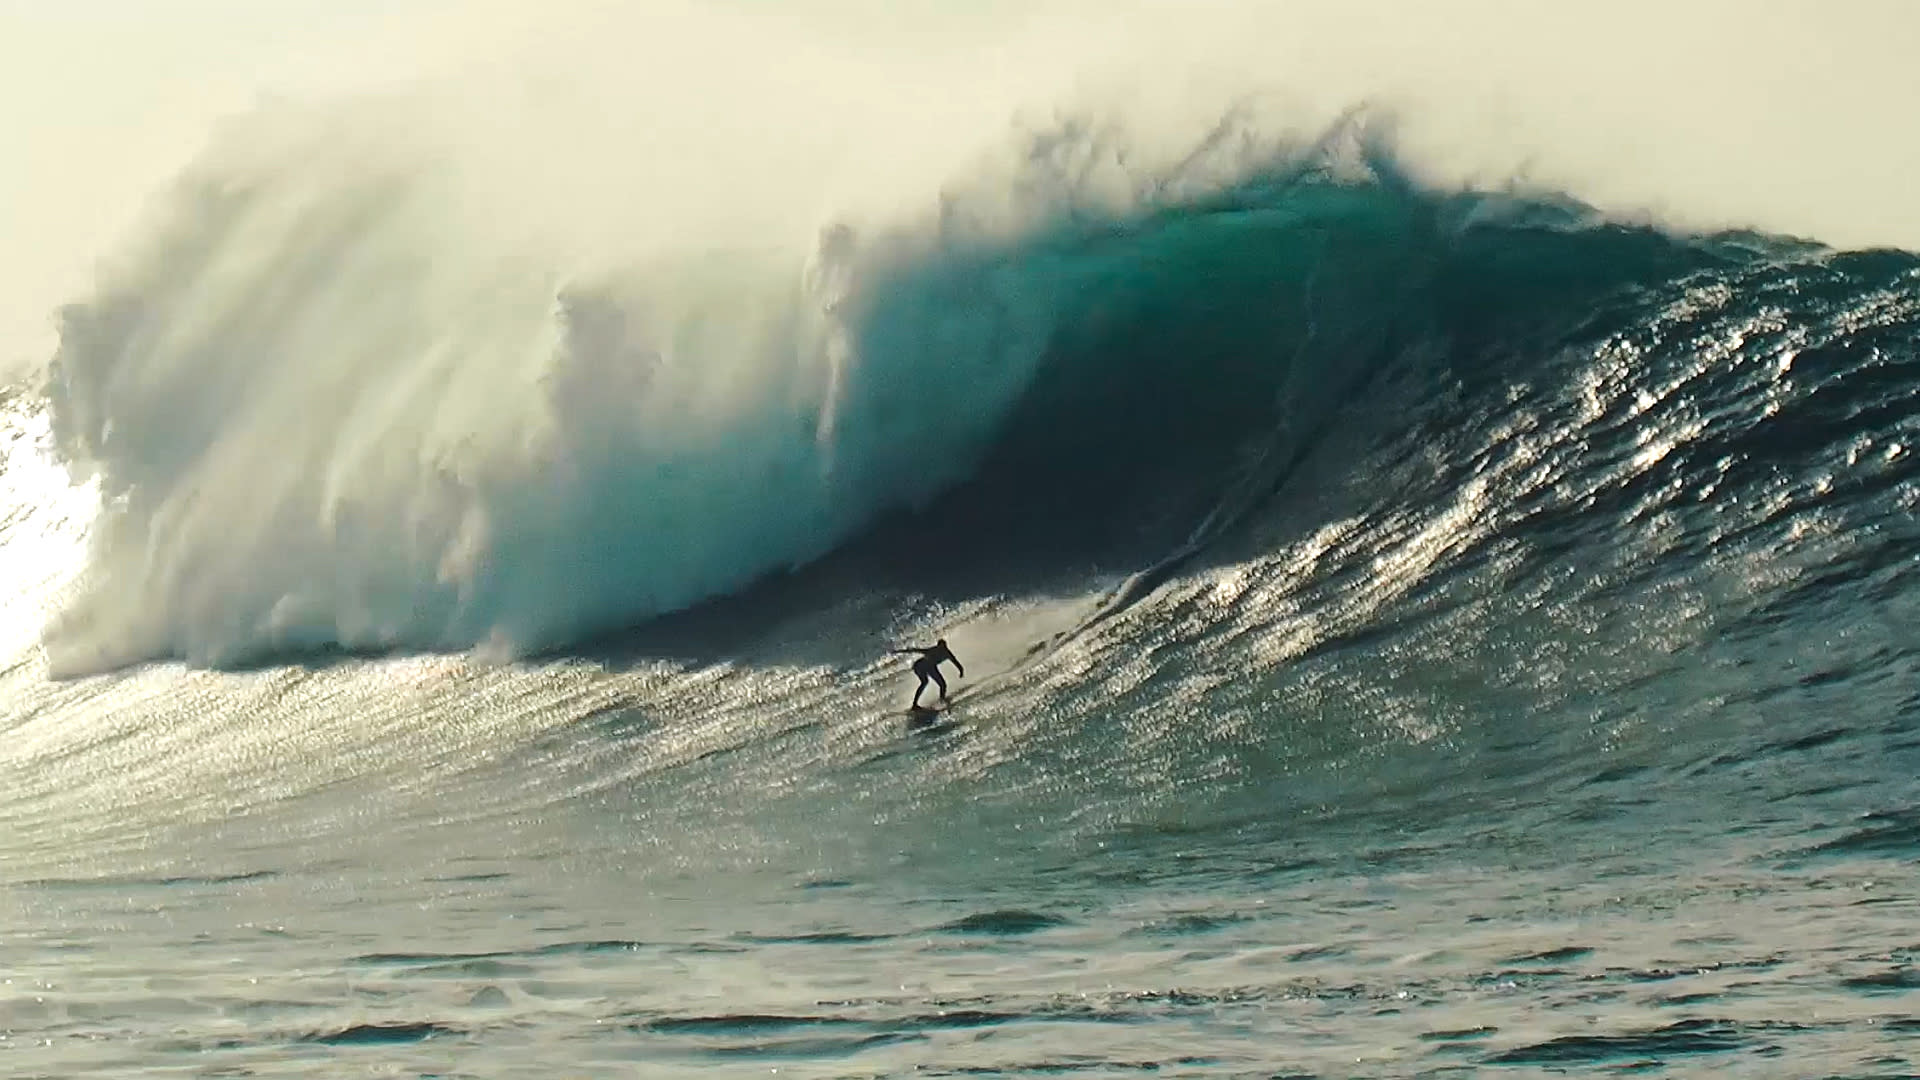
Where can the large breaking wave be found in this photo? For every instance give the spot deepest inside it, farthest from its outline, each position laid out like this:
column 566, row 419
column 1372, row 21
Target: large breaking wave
column 328, row 407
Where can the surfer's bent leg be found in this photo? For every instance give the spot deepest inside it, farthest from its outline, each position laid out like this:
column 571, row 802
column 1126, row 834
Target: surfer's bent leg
column 942, row 683
column 920, row 669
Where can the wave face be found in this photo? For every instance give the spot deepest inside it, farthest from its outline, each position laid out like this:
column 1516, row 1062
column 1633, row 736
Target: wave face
column 323, row 414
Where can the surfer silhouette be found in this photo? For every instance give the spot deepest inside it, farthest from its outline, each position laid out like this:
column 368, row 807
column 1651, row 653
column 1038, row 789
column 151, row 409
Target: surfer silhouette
column 928, row 667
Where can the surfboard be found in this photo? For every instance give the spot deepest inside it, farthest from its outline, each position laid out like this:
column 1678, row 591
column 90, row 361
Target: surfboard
column 924, row 717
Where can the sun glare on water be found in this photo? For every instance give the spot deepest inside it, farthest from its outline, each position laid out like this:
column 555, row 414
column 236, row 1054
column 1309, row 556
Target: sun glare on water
column 44, row 519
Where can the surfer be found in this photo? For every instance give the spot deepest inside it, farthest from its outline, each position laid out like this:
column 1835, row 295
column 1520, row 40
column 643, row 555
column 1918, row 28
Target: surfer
column 928, row 667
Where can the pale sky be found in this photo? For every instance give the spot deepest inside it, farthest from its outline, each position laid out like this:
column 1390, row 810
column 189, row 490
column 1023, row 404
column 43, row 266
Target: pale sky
column 102, row 100
column 1790, row 115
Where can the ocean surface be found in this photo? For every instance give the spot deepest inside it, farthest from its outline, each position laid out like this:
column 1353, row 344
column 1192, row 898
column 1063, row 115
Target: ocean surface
column 1408, row 632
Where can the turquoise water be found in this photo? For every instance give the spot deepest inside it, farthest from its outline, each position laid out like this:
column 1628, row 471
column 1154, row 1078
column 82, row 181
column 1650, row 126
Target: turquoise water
column 1408, row 634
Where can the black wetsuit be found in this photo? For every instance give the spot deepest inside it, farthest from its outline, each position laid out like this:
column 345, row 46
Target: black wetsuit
column 928, row 667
